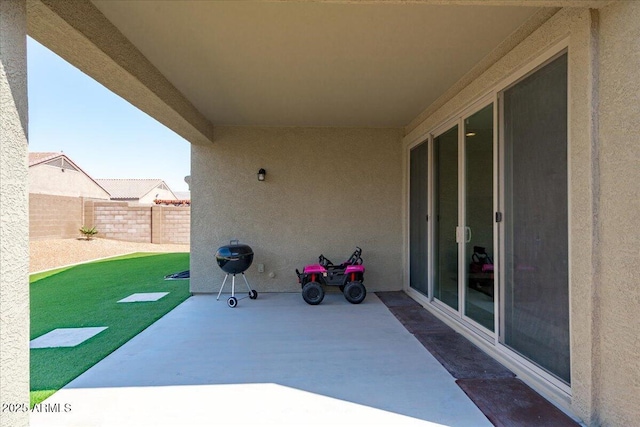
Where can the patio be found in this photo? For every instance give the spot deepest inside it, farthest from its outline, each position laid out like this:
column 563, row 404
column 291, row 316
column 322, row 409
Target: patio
column 275, row 360
column 279, row 361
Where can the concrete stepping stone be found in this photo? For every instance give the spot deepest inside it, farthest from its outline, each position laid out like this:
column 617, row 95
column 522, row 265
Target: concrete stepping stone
column 65, row 337
column 144, row 297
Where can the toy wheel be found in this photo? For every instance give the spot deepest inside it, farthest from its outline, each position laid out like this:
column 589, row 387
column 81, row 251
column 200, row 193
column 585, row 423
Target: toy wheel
column 355, row 292
column 232, row 302
column 313, row 293
column 253, row 294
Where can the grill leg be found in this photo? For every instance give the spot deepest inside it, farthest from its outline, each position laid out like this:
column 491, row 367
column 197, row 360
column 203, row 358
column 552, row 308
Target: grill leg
column 245, row 281
column 222, row 287
column 233, row 285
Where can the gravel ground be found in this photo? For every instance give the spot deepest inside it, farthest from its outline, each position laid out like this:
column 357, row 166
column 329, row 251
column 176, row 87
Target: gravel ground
column 48, row 254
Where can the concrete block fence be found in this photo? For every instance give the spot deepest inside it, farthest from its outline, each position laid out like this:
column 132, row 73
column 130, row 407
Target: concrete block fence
column 61, row 217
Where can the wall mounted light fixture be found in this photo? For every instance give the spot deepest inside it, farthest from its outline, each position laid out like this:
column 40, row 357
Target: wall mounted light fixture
column 261, row 174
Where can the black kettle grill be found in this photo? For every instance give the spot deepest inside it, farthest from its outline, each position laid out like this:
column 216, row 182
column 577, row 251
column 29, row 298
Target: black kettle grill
column 233, row 259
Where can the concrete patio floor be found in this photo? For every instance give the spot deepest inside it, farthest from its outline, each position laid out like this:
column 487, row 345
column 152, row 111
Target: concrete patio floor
column 270, row 361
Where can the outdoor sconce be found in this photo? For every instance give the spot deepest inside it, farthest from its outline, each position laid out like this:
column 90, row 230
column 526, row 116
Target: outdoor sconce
column 261, row 174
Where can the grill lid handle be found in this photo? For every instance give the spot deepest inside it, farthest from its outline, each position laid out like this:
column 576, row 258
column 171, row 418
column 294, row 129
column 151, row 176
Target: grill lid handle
column 234, row 240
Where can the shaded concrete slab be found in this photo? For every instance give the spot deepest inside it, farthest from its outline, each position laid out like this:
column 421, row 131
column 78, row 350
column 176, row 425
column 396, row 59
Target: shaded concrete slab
column 275, row 360
column 509, row 402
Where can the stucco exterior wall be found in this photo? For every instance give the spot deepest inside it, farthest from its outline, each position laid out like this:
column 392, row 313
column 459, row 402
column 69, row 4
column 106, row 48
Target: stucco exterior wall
column 326, row 191
column 45, row 179
column 618, row 378
column 14, row 214
column 579, row 27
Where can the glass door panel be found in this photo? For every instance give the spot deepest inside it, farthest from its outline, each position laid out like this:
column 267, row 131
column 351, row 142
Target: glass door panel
column 418, row 210
column 536, row 289
column 445, row 286
column 478, row 198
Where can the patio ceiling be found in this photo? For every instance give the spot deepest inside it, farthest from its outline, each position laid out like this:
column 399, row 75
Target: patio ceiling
column 339, row 64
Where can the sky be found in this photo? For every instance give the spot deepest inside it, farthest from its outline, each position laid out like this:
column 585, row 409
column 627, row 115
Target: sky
column 99, row 131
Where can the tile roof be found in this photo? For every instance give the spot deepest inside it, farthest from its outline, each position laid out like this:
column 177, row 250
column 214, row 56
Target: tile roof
column 40, row 157
column 129, row 188
column 183, row 195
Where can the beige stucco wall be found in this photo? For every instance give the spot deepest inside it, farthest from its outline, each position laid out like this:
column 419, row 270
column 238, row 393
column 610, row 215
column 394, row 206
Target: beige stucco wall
column 604, row 106
column 14, row 214
column 618, row 377
column 45, row 179
column 326, row 191
column 579, row 26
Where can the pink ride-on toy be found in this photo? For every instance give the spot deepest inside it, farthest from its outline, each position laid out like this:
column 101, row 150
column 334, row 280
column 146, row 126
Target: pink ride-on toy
column 348, row 276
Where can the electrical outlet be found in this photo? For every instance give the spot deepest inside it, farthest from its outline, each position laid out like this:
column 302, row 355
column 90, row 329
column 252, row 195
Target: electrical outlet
column 260, row 268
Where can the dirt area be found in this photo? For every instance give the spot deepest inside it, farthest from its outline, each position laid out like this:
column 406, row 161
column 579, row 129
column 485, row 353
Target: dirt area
column 48, row 254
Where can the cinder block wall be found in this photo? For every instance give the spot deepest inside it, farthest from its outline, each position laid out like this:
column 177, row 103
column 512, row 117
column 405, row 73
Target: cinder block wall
column 170, row 224
column 54, row 216
column 122, row 221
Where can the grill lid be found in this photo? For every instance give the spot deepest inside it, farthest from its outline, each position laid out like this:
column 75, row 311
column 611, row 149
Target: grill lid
column 233, row 251
column 234, row 258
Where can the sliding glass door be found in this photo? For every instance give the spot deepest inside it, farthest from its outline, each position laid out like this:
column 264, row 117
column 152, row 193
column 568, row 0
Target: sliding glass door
column 535, row 313
column 489, row 219
column 478, row 218
column 463, row 273
column 445, row 189
column 418, row 217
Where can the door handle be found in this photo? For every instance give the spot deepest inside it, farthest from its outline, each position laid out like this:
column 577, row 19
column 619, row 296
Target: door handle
column 463, row 234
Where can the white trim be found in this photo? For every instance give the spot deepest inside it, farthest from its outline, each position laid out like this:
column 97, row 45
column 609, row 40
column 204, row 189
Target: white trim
column 484, row 102
column 532, row 66
column 497, row 249
column 407, row 259
column 530, row 367
column 569, row 216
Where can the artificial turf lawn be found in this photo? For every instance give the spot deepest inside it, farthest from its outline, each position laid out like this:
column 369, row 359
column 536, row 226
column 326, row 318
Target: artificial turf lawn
column 87, row 295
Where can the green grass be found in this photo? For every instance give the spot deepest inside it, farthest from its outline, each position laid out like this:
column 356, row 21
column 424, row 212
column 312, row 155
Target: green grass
column 86, row 295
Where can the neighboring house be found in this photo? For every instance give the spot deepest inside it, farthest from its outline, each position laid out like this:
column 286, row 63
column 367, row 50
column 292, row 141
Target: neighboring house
column 57, row 175
column 58, row 191
column 137, row 190
column 418, row 130
column 183, row 195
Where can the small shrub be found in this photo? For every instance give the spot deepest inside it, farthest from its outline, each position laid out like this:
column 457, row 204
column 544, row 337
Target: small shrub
column 88, row 232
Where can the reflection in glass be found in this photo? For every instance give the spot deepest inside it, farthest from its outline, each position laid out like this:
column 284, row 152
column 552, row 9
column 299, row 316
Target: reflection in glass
column 445, row 285
column 479, row 304
column 418, row 225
